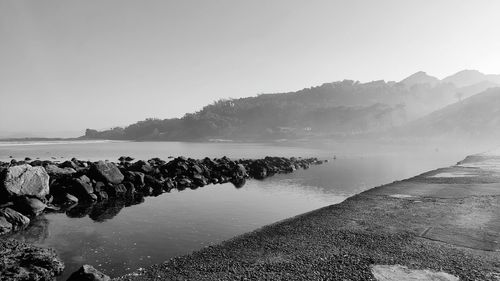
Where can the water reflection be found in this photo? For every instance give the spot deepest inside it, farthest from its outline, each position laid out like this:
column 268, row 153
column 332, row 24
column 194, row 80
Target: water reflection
column 36, row 232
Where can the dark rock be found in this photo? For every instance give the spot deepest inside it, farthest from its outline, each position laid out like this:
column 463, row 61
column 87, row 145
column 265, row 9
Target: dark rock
column 142, row 166
column 70, row 164
column 116, row 190
column 129, row 187
column 200, row 180
column 25, row 180
column 53, row 208
column 137, row 178
column 99, row 186
column 57, row 172
column 258, row 170
column 15, row 218
column 88, row 273
column 153, row 182
column 81, row 188
column 184, row 182
column 29, row 206
column 36, row 163
column 107, row 172
column 70, row 198
column 168, row 185
column 93, row 197
column 5, row 225
column 102, row 195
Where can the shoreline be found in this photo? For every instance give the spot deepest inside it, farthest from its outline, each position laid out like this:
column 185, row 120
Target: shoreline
column 443, row 223
column 31, row 188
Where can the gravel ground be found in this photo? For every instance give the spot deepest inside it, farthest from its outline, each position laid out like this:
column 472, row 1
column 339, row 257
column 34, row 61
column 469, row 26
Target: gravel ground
column 448, row 224
column 22, row 261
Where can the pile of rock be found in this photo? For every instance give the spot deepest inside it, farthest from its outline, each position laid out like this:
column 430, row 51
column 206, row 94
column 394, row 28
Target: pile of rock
column 81, row 187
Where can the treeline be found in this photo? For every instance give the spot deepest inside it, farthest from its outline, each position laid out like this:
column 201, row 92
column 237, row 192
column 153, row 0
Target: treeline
column 340, row 108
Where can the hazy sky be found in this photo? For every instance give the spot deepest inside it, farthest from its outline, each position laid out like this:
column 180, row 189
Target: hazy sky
column 69, row 65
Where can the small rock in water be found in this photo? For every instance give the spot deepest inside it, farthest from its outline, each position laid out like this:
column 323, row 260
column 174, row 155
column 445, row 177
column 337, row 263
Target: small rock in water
column 88, row 273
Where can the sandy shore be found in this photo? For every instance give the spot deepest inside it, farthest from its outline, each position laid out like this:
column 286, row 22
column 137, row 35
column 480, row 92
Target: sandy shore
column 441, row 225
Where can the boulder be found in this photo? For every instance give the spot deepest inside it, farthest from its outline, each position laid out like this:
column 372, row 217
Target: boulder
column 5, row 225
column 15, row 218
column 65, row 199
column 107, row 172
column 25, row 180
column 99, row 186
column 88, row 273
column 102, row 195
column 116, row 191
column 70, row 164
column 30, row 206
column 137, row 178
column 142, row 166
column 153, row 182
column 81, row 188
column 258, row 170
column 55, row 171
column 70, row 198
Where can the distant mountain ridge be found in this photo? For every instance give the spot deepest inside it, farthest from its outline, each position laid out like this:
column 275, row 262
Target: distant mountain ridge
column 420, row 78
column 466, row 78
column 337, row 109
column 475, row 117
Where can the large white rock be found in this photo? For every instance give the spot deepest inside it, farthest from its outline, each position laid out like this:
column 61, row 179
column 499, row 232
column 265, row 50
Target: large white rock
column 25, row 180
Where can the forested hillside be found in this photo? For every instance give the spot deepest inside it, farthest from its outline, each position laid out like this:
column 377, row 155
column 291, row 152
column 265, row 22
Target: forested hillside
column 342, row 108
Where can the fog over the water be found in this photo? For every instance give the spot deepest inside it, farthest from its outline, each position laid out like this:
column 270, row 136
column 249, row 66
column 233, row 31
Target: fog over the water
column 70, row 65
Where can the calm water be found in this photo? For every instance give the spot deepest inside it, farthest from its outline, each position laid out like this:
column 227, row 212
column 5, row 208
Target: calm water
column 119, row 239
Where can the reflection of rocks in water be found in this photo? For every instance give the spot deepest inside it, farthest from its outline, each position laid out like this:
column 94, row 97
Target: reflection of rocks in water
column 79, row 211
column 239, row 183
column 106, row 210
column 36, row 232
column 136, row 199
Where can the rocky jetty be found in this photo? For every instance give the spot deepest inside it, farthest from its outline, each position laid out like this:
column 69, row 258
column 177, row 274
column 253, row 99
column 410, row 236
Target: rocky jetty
column 79, row 188
column 101, row 189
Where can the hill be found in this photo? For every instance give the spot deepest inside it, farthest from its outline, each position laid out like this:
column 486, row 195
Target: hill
column 477, row 117
column 466, row 78
column 343, row 108
column 420, row 78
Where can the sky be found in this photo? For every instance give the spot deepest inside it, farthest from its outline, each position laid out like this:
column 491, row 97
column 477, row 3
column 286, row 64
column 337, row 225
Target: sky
column 69, row 65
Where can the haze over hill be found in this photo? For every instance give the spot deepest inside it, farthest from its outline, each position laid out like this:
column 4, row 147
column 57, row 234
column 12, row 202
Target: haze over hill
column 477, row 117
column 338, row 109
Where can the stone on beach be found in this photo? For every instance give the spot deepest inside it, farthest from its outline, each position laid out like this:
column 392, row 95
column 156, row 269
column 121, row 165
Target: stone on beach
column 25, row 180
column 55, row 171
column 29, row 206
column 82, row 188
column 106, row 171
column 88, row 273
column 15, row 218
column 5, row 226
